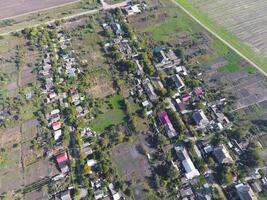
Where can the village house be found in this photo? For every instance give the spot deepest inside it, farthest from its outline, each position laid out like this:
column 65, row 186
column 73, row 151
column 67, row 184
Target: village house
column 164, row 119
column 245, row 192
column 165, row 61
column 186, row 98
column 49, row 84
column 200, row 119
column 65, row 195
column 125, row 47
column 57, row 134
column 181, row 106
column 91, row 163
column 62, row 162
column 222, row 155
column 190, row 169
column 99, row 194
column 178, row 81
column 116, row 28
column 56, row 125
column 149, row 90
column 115, row 195
column 132, row 9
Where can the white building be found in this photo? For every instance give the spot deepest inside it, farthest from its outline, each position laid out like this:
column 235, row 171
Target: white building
column 187, row 163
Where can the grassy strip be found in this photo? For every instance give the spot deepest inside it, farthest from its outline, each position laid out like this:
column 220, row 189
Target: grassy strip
column 225, row 35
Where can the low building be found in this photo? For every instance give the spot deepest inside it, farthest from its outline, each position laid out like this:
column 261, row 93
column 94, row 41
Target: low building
column 56, row 125
column 99, row 194
column 57, row 134
column 62, row 162
column 200, row 118
column 132, row 9
column 245, row 192
column 116, row 28
column 166, row 122
column 178, row 81
column 222, row 155
column 187, row 163
column 149, row 90
column 65, row 195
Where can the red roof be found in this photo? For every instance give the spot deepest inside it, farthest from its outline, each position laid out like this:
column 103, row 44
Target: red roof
column 56, row 125
column 198, row 91
column 62, row 158
column 163, row 117
column 72, row 90
column 186, row 98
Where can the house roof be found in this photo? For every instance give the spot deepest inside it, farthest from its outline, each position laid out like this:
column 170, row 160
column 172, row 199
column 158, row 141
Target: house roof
column 186, row 98
column 178, row 81
column 164, row 118
column 56, row 125
column 200, row 118
column 187, row 163
column 72, row 90
column 198, row 91
column 222, row 154
column 65, row 195
column 62, row 158
column 245, row 192
column 57, row 134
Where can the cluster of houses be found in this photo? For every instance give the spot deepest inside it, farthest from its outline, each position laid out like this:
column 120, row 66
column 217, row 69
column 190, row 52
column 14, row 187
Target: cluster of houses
column 55, row 117
column 210, row 118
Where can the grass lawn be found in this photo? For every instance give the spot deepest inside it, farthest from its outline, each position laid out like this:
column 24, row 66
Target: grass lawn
column 88, row 47
column 111, row 116
column 169, row 28
column 233, row 65
column 220, row 31
column 250, row 69
column 27, row 112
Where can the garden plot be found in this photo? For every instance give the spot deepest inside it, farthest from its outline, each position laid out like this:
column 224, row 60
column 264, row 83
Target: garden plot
column 101, row 85
column 27, row 74
column 88, row 48
column 245, row 18
column 249, row 88
column 132, row 164
column 11, row 169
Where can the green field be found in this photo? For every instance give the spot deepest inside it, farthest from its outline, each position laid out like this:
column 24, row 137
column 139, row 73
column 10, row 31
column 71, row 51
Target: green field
column 225, row 35
column 169, row 28
column 110, row 116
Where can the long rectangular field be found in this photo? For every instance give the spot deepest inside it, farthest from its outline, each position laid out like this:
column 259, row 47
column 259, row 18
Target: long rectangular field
column 13, row 8
column 240, row 23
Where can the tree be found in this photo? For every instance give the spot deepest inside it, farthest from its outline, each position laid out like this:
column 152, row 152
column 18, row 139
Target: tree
column 86, row 169
column 172, row 172
column 192, row 130
column 225, row 175
column 160, row 140
column 238, row 134
column 254, row 155
column 120, row 136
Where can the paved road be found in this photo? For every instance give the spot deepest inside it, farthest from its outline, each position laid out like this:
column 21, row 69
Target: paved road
column 220, row 38
column 105, row 6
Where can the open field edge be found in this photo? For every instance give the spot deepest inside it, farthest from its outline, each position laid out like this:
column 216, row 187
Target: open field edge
column 229, row 39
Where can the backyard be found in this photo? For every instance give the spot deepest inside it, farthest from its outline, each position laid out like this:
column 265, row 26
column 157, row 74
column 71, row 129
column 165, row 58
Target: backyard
column 110, row 113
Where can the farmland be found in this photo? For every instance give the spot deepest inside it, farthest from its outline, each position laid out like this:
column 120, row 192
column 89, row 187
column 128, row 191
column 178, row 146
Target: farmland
column 239, row 42
column 14, row 7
